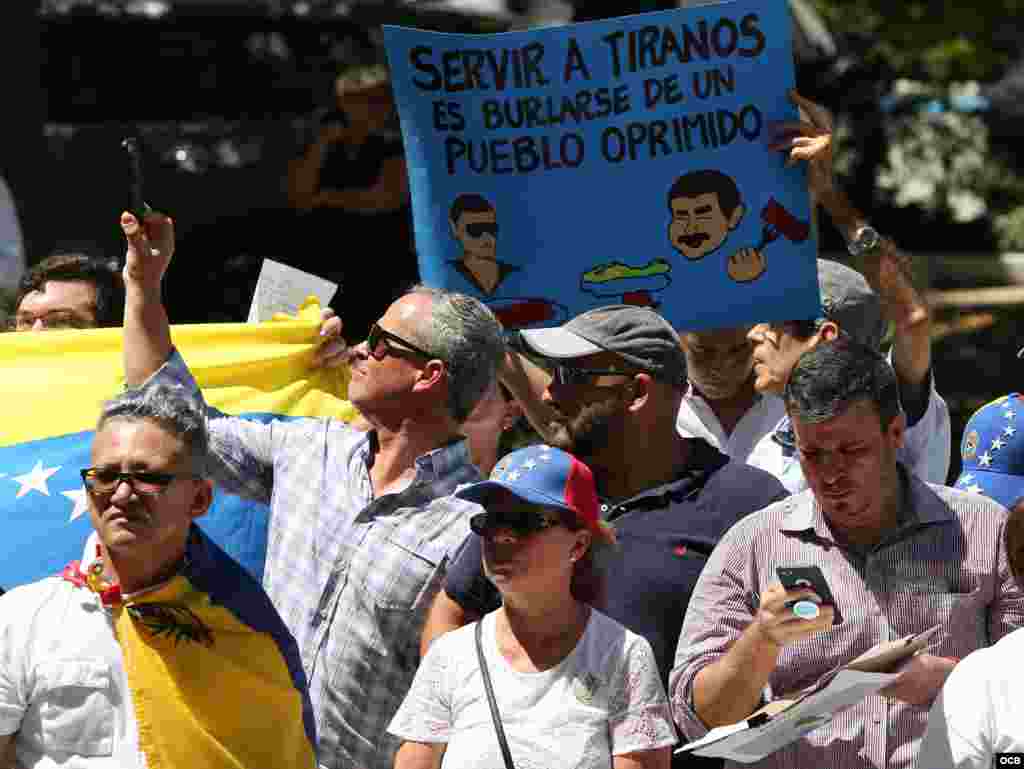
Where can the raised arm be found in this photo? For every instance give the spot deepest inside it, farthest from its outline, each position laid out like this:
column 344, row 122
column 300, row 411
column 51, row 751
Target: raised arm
column 241, row 451
column 147, row 333
column 527, row 382
column 887, row 270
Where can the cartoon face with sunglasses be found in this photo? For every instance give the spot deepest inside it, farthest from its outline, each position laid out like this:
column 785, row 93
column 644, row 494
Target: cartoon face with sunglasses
column 477, row 231
column 474, row 224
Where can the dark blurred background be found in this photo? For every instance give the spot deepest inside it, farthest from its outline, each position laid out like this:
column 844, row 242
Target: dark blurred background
column 223, row 95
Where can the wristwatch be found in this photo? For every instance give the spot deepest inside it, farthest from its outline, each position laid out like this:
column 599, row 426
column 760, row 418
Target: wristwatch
column 865, row 240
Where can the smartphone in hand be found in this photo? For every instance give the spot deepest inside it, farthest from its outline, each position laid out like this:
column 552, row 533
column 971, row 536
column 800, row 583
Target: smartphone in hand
column 136, row 202
column 810, row 578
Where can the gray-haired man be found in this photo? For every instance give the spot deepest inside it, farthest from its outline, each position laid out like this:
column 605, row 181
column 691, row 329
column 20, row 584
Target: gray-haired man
column 361, row 526
column 852, row 308
column 98, row 666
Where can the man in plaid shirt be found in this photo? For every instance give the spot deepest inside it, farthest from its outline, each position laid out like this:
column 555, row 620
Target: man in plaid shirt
column 361, row 524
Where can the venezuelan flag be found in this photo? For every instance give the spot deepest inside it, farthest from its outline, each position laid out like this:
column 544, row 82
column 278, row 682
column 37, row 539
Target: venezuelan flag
column 216, row 679
column 54, row 384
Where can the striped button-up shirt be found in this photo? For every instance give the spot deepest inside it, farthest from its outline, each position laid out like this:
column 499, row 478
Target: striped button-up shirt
column 945, row 565
column 352, row 576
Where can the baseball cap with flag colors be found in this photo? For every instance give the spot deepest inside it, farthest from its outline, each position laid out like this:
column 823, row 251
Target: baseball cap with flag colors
column 548, row 477
column 992, row 451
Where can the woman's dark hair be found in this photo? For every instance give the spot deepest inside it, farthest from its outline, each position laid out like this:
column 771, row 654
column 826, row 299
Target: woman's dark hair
column 588, row 583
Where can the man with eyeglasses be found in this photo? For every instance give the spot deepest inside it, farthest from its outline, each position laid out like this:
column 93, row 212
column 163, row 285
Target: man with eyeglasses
column 618, row 377
column 69, row 291
column 160, row 650
column 361, row 525
column 854, row 309
column 474, row 224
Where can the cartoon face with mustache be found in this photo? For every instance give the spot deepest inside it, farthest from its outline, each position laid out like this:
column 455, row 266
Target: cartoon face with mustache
column 705, row 207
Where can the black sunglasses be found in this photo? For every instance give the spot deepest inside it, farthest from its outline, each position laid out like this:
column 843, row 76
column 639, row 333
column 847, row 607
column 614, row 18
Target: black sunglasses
column 522, row 523
column 476, row 229
column 379, row 344
column 104, row 480
column 571, row 375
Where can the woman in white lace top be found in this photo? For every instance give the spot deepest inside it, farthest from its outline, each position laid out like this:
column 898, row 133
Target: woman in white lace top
column 574, row 688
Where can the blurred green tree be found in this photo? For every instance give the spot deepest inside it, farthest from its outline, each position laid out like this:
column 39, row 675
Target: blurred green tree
column 917, row 130
column 939, row 41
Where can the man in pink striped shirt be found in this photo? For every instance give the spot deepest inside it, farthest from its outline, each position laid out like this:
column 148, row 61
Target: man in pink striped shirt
column 899, row 556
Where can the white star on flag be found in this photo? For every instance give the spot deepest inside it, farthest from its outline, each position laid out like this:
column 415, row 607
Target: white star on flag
column 1009, row 431
column 544, row 457
column 968, row 477
column 78, row 496
column 974, row 489
column 529, row 464
column 997, row 444
column 35, row 480
column 985, row 460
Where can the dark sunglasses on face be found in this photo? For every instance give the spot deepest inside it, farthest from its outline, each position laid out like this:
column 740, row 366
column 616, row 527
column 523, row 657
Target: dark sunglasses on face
column 105, row 480
column 522, row 523
column 476, row 229
column 379, row 344
column 571, row 375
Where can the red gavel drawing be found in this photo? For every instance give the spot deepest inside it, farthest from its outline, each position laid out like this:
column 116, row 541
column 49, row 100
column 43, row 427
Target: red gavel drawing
column 779, row 221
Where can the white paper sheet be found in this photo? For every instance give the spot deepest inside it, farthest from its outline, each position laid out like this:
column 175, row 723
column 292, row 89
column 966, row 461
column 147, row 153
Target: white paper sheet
column 281, row 288
column 740, row 742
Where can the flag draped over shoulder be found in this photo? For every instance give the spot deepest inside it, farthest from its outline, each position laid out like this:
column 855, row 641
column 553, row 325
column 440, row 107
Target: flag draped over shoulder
column 211, row 666
column 53, row 387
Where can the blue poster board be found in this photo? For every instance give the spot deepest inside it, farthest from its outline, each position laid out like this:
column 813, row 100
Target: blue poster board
column 620, row 161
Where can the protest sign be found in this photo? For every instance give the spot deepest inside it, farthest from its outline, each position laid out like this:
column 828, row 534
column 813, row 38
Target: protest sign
column 563, row 168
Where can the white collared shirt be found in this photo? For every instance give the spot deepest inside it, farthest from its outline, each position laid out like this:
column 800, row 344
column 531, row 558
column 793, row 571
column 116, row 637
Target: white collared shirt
column 698, row 420
column 63, row 686
column 979, row 712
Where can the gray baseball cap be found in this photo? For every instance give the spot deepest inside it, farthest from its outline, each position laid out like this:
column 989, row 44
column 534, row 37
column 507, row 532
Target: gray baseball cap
column 638, row 335
column 851, row 303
